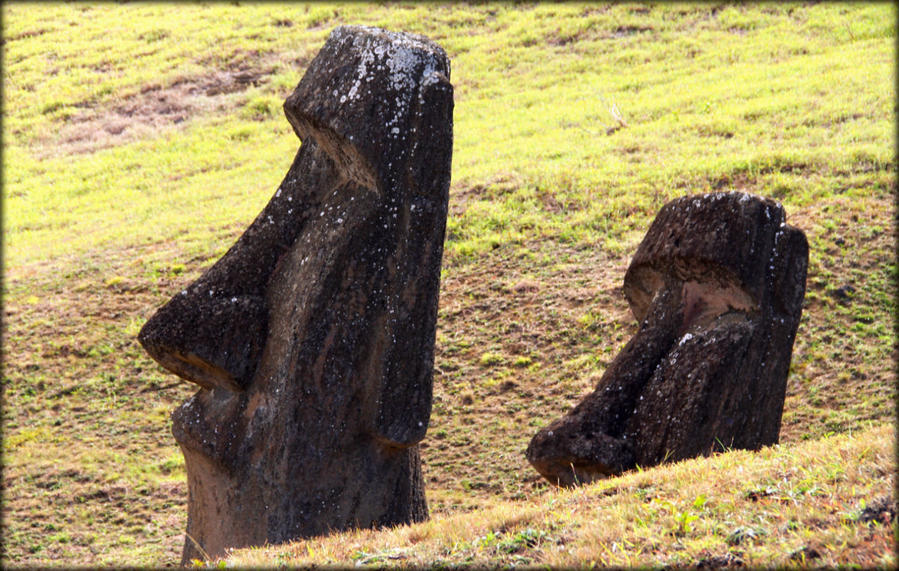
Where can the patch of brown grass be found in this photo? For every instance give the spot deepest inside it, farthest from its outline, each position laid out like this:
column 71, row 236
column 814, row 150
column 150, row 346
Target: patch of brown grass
column 155, row 109
column 89, row 467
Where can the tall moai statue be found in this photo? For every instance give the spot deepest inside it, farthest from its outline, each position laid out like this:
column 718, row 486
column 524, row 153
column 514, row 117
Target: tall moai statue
column 312, row 338
column 717, row 287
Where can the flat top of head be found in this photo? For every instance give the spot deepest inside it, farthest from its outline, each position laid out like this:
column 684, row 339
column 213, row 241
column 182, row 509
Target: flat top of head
column 364, row 95
column 355, row 56
column 380, row 37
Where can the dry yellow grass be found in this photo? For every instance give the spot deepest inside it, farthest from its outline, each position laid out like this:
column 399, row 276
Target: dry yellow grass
column 810, row 504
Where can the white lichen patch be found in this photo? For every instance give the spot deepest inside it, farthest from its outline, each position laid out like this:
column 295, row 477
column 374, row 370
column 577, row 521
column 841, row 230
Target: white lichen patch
column 407, row 61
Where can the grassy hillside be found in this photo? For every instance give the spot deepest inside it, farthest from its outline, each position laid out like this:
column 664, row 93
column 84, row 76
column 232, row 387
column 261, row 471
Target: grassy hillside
column 139, row 140
column 819, row 504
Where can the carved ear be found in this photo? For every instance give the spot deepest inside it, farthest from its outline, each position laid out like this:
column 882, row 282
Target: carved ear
column 790, row 266
column 404, row 395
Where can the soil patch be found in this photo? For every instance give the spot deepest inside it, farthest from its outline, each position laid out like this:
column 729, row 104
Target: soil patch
column 154, row 109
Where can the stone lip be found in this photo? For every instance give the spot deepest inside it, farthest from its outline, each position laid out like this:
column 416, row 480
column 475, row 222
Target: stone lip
column 717, row 286
column 312, row 338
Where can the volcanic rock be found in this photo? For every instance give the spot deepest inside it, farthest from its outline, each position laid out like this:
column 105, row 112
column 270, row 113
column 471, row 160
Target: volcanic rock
column 717, row 287
column 312, row 339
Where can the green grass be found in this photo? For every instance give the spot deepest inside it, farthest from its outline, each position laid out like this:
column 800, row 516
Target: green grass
column 141, row 139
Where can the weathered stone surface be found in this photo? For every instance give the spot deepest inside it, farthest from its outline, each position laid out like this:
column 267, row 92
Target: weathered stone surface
column 717, row 287
column 312, row 339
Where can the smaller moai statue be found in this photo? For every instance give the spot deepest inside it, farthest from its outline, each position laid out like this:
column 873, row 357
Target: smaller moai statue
column 312, row 338
column 717, row 287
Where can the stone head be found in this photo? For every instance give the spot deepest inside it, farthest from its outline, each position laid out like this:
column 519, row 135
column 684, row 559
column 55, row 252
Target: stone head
column 716, row 287
column 312, row 338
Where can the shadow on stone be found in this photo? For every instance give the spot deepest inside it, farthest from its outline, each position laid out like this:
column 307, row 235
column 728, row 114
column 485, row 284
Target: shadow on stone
column 717, row 287
column 312, row 339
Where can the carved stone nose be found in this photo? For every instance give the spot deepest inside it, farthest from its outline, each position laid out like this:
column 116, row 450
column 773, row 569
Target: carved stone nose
column 211, row 340
column 213, row 332
column 717, row 286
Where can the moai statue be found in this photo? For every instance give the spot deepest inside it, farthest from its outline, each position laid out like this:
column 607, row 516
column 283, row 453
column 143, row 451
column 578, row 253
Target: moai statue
column 312, row 339
column 717, row 287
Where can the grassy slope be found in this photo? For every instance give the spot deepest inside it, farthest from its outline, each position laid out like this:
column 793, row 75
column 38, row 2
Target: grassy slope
column 812, row 504
column 139, row 141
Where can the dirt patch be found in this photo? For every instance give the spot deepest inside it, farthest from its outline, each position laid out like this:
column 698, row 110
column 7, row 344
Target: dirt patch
column 882, row 510
column 154, row 109
column 560, row 39
column 493, row 188
column 720, row 562
column 24, row 35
